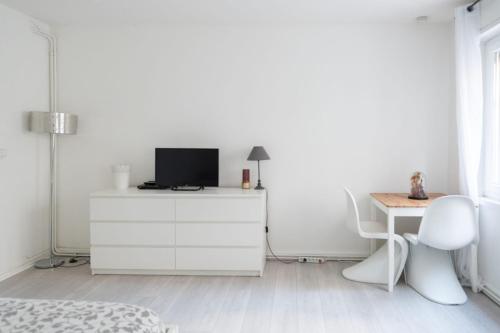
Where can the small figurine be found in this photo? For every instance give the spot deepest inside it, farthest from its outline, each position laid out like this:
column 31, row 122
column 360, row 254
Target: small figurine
column 417, row 186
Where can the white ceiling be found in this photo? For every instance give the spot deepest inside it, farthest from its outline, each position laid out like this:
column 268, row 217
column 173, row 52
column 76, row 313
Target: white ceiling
column 63, row 12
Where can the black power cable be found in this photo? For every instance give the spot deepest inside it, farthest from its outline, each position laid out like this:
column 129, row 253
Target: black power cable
column 267, row 235
column 76, row 262
column 471, row 7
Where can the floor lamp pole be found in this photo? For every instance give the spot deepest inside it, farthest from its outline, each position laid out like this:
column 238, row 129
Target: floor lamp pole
column 52, row 262
column 53, row 196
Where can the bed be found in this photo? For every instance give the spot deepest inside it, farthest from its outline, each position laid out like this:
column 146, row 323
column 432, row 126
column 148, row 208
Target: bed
column 51, row 316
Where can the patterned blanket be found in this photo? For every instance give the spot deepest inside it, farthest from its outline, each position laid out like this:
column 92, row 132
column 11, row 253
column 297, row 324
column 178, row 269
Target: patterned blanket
column 55, row 316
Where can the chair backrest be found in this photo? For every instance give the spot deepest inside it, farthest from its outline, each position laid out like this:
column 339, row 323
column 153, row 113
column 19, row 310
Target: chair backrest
column 352, row 220
column 449, row 223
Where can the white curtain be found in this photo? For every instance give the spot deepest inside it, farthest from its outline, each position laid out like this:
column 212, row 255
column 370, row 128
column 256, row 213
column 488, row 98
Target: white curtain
column 469, row 106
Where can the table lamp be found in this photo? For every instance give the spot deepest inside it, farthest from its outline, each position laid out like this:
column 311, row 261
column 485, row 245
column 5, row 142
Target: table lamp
column 258, row 154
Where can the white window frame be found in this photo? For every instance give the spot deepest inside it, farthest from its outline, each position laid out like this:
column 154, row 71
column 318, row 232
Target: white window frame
column 491, row 139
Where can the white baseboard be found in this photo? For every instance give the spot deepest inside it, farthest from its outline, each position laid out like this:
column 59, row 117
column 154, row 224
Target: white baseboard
column 327, row 255
column 281, row 254
column 288, row 254
column 493, row 294
column 72, row 251
column 28, row 264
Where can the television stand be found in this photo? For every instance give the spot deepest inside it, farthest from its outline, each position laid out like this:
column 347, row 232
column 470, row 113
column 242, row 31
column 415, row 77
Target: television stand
column 218, row 231
column 187, row 188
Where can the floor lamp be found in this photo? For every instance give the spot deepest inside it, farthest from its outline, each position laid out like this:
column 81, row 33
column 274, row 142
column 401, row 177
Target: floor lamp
column 53, row 123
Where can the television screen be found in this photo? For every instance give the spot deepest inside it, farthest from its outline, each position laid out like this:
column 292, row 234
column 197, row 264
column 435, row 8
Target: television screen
column 186, row 167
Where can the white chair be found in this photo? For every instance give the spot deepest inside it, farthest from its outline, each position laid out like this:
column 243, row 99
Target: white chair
column 449, row 223
column 374, row 268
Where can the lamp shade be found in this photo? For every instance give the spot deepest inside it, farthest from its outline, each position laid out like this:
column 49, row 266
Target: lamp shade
column 258, row 153
column 53, row 122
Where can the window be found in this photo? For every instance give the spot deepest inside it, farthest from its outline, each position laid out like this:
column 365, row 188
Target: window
column 491, row 179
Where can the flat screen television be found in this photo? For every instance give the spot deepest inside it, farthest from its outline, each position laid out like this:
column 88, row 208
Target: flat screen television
column 176, row 167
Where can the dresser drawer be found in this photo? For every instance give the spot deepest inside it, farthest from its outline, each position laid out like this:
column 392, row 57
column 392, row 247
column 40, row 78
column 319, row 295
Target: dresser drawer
column 224, row 209
column 132, row 233
column 132, row 258
column 219, row 234
column 132, row 209
column 222, row 259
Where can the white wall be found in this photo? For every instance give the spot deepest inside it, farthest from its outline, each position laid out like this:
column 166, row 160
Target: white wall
column 24, row 170
column 490, row 13
column 344, row 105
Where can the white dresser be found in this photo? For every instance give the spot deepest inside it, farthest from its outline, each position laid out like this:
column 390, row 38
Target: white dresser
column 216, row 231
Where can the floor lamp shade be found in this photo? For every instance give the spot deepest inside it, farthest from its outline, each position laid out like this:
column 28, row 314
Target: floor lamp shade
column 53, row 122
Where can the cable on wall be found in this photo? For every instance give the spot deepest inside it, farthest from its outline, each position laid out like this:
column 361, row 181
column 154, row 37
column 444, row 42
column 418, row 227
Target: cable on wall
column 267, row 235
column 470, row 8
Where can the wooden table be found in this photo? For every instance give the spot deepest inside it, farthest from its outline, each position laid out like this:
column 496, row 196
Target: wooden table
column 397, row 205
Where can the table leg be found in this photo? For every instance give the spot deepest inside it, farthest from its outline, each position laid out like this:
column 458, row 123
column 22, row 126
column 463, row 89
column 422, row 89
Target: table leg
column 474, row 276
column 373, row 217
column 390, row 251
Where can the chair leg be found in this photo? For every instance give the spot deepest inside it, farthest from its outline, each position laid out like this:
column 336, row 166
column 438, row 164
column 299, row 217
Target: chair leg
column 374, row 268
column 431, row 274
column 371, row 270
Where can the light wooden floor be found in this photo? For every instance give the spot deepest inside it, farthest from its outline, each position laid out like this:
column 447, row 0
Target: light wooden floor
column 306, row 298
